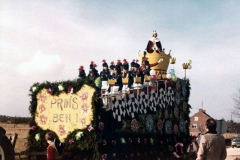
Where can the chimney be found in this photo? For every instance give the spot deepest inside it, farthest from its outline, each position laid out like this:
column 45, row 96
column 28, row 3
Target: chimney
column 201, row 110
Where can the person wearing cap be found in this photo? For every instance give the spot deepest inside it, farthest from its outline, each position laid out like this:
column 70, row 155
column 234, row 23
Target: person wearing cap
column 82, row 73
column 126, row 72
column 94, row 75
column 130, row 73
column 104, row 74
column 120, row 65
column 138, row 72
column 117, row 77
column 111, row 70
column 212, row 145
column 154, row 44
column 125, row 69
column 90, row 69
column 146, row 68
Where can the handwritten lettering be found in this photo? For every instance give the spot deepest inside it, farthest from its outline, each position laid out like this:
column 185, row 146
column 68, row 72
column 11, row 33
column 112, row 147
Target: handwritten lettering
column 65, row 103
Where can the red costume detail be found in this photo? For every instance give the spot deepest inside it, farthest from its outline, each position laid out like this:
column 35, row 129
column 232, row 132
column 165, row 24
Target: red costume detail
column 50, row 153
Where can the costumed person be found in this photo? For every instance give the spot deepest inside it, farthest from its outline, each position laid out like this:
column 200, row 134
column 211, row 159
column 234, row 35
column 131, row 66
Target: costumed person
column 104, row 74
column 118, row 79
column 111, row 70
column 90, row 69
column 137, row 72
column 54, row 151
column 119, row 63
column 154, row 44
column 130, row 73
column 97, row 79
column 125, row 72
column 146, row 70
column 82, row 73
column 193, row 148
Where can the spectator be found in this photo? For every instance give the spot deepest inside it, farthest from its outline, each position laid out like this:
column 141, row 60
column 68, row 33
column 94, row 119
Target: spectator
column 212, row 145
column 54, row 149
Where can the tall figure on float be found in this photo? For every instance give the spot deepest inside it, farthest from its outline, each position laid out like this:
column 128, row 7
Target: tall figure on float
column 154, row 44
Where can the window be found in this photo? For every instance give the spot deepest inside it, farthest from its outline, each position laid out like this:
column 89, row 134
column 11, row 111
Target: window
column 195, row 118
column 194, row 125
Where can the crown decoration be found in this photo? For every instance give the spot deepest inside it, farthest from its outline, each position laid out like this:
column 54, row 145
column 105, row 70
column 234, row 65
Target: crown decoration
column 137, row 79
column 185, row 65
column 172, row 60
column 158, row 77
column 154, row 57
column 125, row 81
column 147, row 78
column 111, row 82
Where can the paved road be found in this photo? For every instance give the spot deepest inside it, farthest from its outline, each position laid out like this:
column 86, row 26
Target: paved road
column 233, row 154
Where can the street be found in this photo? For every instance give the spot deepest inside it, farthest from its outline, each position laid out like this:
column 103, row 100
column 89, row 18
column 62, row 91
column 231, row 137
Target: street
column 233, row 154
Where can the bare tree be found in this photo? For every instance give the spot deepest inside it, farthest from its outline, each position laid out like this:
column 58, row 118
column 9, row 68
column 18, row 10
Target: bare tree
column 236, row 107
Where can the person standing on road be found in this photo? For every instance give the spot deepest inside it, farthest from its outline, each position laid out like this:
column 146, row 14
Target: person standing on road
column 212, row 145
column 54, row 150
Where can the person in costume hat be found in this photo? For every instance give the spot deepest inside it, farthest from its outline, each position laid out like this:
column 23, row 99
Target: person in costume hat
column 125, row 69
column 90, row 69
column 138, row 72
column 117, row 77
column 131, row 73
column 125, row 72
column 154, row 44
column 54, row 149
column 145, row 67
column 111, row 70
column 95, row 76
column 104, row 74
column 82, row 73
column 119, row 65
column 95, row 73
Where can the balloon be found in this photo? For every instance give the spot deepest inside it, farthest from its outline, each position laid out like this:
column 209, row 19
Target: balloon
column 169, row 76
column 189, row 61
column 189, row 67
column 171, row 71
column 152, row 72
column 174, row 78
column 153, row 77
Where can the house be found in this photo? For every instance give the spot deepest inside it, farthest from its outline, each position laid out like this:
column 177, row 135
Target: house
column 197, row 122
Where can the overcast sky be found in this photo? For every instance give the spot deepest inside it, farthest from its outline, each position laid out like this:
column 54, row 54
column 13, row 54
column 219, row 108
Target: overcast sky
column 49, row 40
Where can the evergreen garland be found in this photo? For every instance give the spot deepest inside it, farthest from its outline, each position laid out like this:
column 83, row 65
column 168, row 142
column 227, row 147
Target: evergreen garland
column 91, row 144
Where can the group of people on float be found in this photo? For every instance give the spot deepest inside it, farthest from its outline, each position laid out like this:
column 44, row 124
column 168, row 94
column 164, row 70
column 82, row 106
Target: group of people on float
column 118, row 71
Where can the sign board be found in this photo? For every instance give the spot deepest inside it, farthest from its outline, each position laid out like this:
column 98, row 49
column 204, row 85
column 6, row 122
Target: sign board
column 221, row 127
column 66, row 112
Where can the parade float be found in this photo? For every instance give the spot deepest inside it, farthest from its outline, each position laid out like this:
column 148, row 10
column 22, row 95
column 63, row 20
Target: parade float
column 136, row 117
